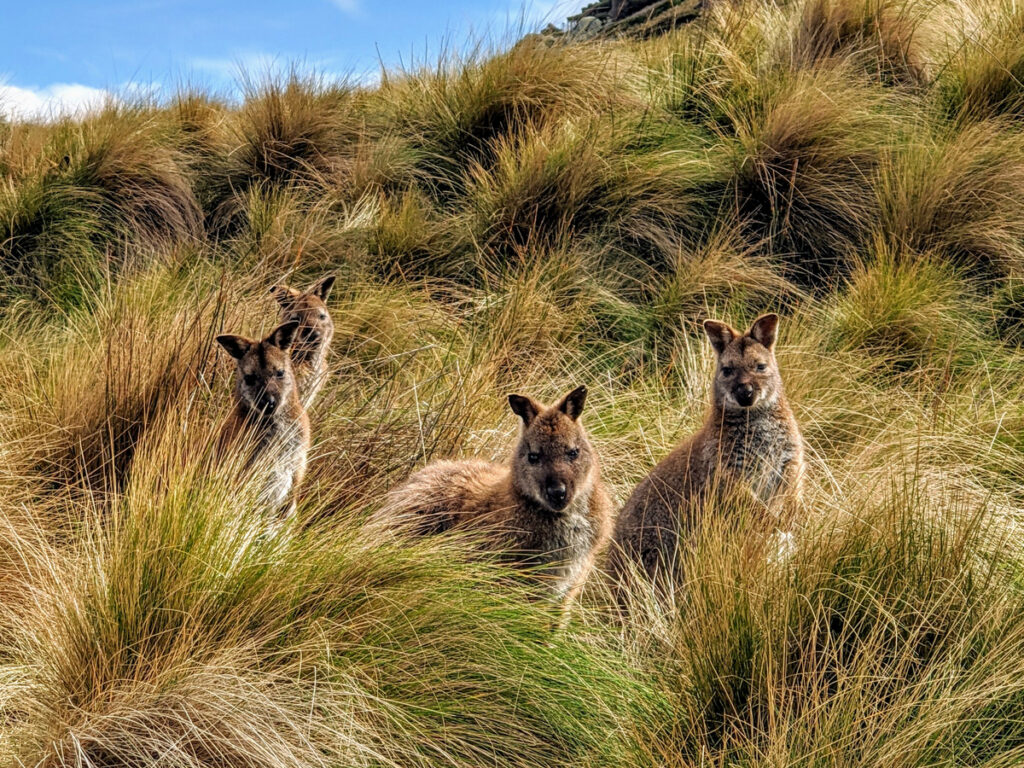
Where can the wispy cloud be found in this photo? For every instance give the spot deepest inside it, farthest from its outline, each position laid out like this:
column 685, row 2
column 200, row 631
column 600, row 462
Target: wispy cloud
column 350, row 7
column 52, row 101
column 233, row 67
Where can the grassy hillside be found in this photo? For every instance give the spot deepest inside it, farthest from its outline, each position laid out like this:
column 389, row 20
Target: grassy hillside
column 528, row 219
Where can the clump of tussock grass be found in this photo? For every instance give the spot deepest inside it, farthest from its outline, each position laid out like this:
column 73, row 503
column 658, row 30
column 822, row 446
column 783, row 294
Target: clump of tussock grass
column 903, row 312
column 455, row 111
column 179, row 633
column 882, row 36
column 298, row 227
column 875, row 641
column 290, row 130
column 984, row 75
column 102, row 184
column 98, row 380
column 409, row 239
column 804, row 154
column 583, row 179
column 953, row 193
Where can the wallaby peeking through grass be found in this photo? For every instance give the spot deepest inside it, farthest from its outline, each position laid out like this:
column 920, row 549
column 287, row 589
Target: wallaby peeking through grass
column 313, row 338
column 268, row 422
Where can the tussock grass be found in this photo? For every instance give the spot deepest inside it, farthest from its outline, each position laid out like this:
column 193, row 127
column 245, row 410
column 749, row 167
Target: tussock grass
column 526, row 218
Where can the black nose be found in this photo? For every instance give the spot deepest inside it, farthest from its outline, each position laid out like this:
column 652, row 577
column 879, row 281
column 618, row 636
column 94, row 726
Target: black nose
column 556, row 493
column 268, row 403
column 744, row 394
column 313, row 335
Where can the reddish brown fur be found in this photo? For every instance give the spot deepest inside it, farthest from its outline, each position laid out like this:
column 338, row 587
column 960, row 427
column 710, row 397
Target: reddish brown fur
column 546, row 507
column 267, row 423
column 750, row 440
column 313, row 338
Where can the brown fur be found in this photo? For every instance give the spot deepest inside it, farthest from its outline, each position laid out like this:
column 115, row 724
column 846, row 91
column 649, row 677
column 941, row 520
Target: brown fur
column 750, row 442
column 268, row 422
column 313, row 339
column 545, row 508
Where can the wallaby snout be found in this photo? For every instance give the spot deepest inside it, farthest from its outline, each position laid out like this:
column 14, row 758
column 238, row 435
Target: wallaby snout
column 557, row 493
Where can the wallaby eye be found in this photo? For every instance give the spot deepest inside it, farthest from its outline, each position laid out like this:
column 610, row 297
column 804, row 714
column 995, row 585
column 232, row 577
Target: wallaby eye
column 532, row 457
column 762, row 366
column 573, row 454
column 727, row 370
column 279, row 373
column 323, row 315
column 250, row 379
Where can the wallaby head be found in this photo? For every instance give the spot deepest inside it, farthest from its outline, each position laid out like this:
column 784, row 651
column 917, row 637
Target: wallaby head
column 265, row 378
column 747, row 375
column 308, row 309
column 553, row 461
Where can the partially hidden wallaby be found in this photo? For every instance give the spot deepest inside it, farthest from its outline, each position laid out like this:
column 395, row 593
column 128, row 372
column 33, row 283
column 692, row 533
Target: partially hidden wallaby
column 267, row 430
column 313, row 339
column 546, row 508
column 750, row 443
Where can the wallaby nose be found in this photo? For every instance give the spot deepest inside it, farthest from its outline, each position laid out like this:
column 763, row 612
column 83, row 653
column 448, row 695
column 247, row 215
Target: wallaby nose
column 556, row 493
column 269, row 403
column 744, row 394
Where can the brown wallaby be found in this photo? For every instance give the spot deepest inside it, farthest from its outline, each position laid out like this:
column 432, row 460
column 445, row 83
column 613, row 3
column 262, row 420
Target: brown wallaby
column 313, row 339
column 546, row 507
column 268, row 423
column 750, row 442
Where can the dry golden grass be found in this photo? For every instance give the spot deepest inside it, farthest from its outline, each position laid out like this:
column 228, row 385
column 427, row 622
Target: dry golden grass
column 530, row 218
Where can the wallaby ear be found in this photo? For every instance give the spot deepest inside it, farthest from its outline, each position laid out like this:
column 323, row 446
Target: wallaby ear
column 236, row 346
column 572, row 404
column 322, row 287
column 719, row 334
column 284, row 295
column 524, row 407
column 283, row 335
column 763, row 330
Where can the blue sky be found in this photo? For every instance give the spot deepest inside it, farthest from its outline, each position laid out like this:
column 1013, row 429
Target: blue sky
column 57, row 55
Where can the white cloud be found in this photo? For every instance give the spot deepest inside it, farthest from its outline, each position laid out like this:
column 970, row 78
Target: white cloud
column 348, row 6
column 51, row 101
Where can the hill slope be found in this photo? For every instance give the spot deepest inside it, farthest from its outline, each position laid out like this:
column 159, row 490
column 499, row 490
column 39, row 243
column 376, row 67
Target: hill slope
column 528, row 219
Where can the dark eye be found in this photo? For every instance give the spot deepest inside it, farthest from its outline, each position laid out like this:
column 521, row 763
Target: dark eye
column 250, row 379
column 279, row 373
column 572, row 454
column 727, row 370
column 762, row 366
column 323, row 315
column 532, row 457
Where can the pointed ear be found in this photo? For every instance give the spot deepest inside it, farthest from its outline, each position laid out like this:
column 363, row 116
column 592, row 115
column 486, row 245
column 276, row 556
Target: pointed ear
column 719, row 334
column 763, row 330
column 283, row 335
column 284, row 295
column 322, row 287
column 236, row 346
column 572, row 404
column 524, row 407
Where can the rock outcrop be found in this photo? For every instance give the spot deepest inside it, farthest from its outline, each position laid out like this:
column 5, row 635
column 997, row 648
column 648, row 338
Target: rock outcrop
column 634, row 18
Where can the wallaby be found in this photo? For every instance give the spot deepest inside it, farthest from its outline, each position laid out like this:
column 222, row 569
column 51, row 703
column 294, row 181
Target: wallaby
column 750, row 442
column 313, row 339
column 545, row 508
column 267, row 423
